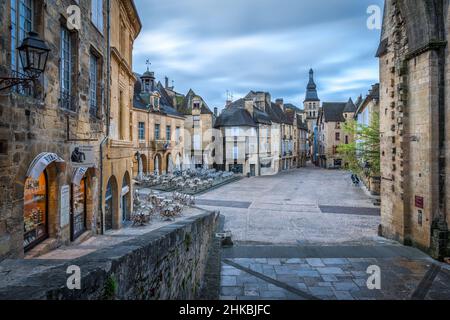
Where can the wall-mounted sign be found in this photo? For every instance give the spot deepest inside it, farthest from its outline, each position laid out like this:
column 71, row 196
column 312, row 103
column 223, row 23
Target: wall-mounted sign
column 65, row 206
column 419, row 202
column 41, row 162
column 82, row 156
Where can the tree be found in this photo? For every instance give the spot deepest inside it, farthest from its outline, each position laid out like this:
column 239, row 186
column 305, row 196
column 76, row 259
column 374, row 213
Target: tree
column 362, row 155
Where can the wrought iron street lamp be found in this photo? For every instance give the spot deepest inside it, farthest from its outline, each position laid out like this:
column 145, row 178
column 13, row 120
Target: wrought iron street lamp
column 33, row 53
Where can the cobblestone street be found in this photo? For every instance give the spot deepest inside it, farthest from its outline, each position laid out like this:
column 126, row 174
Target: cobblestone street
column 310, row 234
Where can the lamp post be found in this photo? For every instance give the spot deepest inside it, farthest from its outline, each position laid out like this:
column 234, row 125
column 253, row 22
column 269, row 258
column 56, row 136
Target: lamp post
column 33, row 53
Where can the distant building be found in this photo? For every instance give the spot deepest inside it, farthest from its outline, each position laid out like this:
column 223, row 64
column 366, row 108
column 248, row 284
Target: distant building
column 158, row 129
column 311, row 105
column 363, row 116
column 330, row 132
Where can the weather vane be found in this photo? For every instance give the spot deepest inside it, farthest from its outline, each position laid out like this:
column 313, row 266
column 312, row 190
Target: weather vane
column 148, row 63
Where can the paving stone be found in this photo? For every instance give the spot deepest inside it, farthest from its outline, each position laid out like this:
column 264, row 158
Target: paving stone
column 249, row 298
column 329, row 278
column 251, row 293
column 330, row 270
column 322, row 291
column 345, row 286
column 315, row 262
column 273, row 294
column 335, row 261
column 343, row 295
column 231, row 272
column 228, row 298
column 274, row 262
column 302, row 286
column 288, row 278
column 295, row 261
column 325, row 284
column 308, row 274
column 232, row 291
column 228, row 281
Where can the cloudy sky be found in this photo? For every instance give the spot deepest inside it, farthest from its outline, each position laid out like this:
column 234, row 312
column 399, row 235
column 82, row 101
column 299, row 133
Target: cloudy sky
column 213, row 46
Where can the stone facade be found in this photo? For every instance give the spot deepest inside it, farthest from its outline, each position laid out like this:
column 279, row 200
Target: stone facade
column 414, row 103
column 118, row 148
column 331, row 133
column 166, row 264
column 160, row 149
column 43, row 121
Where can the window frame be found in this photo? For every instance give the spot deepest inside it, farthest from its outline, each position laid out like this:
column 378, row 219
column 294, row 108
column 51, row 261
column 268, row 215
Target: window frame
column 141, row 131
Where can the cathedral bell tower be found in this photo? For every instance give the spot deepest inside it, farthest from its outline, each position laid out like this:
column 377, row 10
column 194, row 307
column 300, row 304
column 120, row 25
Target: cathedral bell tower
column 311, row 104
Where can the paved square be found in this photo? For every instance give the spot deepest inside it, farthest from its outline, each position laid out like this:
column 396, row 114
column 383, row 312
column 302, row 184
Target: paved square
column 310, row 234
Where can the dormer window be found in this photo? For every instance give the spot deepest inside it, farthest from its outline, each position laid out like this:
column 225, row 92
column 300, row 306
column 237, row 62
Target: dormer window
column 156, row 102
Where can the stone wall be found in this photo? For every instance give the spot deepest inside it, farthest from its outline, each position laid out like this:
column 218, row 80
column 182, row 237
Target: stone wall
column 37, row 123
column 165, row 264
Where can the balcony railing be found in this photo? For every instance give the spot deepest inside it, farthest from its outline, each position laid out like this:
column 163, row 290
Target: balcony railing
column 162, row 145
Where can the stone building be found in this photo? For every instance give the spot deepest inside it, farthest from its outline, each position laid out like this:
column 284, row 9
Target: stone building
column 117, row 148
column 414, row 107
column 159, row 129
column 199, row 135
column 50, row 131
column 364, row 114
column 239, row 143
column 331, row 134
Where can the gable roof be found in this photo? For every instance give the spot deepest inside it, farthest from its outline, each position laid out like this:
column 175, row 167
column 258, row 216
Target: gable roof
column 185, row 104
column 333, row 111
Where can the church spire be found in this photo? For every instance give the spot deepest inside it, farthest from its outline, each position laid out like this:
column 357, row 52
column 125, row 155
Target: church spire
column 311, row 89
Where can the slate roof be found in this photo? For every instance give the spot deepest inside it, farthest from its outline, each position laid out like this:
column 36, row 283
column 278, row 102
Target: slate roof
column 142, row 100
column 301, row 124
column 278, row 114
column 350, row 107
column 185, row 105
column 311, row 89
column 292, row 107
column 235, row 116
column 333, row 111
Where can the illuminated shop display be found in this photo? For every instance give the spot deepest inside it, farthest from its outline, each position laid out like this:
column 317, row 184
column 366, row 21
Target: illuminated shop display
column 35, row 211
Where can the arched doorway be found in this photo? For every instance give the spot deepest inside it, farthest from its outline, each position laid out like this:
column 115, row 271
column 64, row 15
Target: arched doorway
column 125, row 198
column 35, row 211
column 79, row 208
column 157, row 164
column 169, row 163
column 110, row 203
column 178, row 165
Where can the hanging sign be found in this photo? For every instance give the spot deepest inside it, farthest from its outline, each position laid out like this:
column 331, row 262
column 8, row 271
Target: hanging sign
column 82, row 156
column 78, row 175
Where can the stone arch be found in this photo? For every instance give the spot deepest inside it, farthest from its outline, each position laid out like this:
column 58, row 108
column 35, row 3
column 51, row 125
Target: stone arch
column 170, row 166
column 125, row 198
column 111, row 204
column 157, row 164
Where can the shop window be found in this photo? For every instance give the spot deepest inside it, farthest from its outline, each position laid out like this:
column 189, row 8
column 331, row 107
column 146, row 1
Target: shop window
column 35, row 211
column 78, row 221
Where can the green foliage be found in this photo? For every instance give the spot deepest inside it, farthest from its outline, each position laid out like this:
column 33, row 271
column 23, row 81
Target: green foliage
column 362, row 155
column 110, row 289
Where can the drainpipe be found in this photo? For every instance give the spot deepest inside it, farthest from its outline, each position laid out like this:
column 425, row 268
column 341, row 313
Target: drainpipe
column 257, row 148
column 107, row 113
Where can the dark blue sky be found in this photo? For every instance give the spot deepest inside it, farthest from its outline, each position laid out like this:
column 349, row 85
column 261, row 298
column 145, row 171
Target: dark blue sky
column 213, row 46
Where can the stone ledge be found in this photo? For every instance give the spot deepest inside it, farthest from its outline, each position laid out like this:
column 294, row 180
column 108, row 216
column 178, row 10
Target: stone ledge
column 167, row 263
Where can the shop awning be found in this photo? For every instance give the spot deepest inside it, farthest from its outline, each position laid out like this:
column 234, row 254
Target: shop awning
column 41, row 162
column 78, row 175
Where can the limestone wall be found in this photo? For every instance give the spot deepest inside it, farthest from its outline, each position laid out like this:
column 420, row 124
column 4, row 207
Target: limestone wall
column 166, row 264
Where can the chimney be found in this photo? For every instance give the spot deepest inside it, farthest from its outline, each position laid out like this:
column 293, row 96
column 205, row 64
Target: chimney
column 280, row 103
column 166, row 84
column 215, row 111
column 249, row 106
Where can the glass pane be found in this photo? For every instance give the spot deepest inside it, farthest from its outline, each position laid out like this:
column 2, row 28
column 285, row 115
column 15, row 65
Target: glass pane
column 35, row 211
